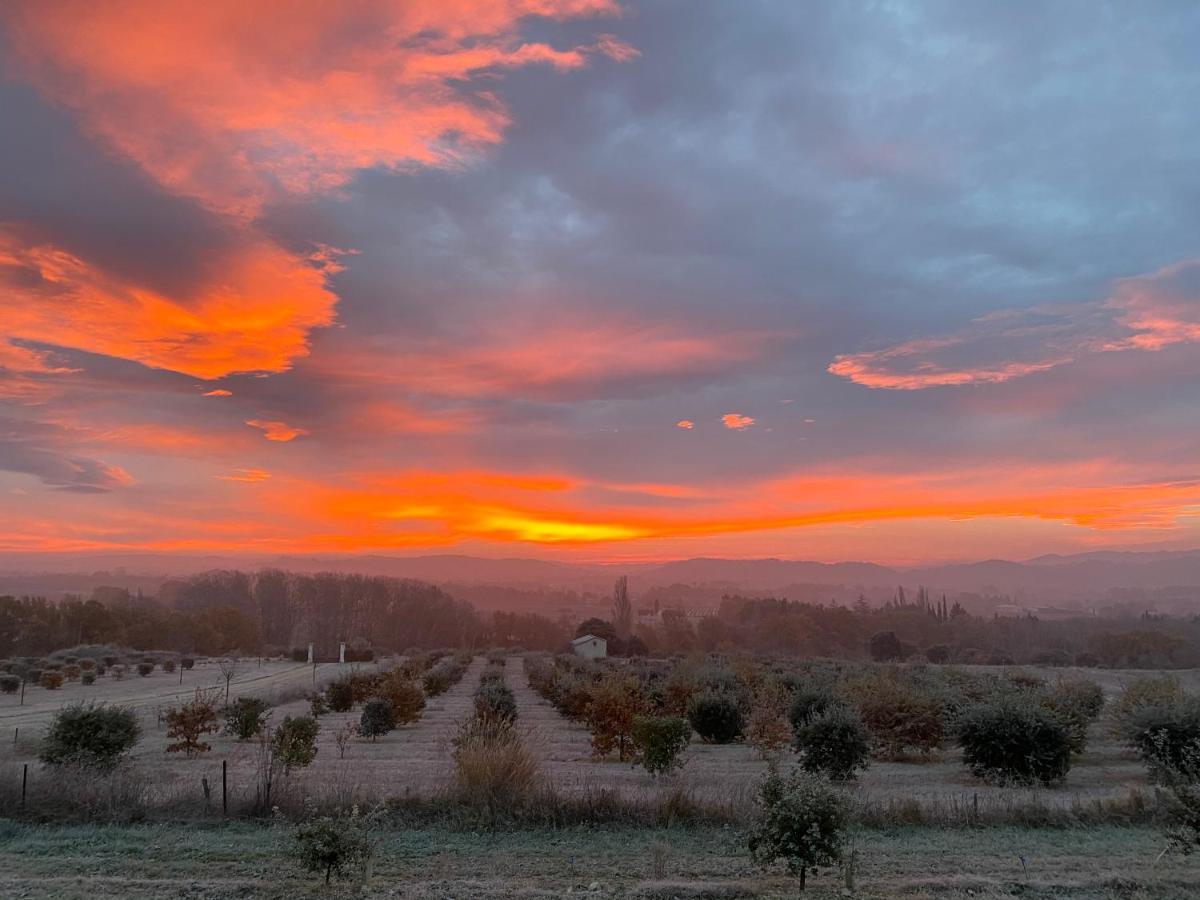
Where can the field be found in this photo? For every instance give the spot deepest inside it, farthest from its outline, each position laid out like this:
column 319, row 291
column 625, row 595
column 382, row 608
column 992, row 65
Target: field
column 1103, row 844
column 244, row 860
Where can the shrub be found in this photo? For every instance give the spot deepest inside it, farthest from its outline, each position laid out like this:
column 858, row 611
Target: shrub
column 405, row 696
column 494, row 771
column 118, row 672
column 767, row 728
column 899, row 718
column 938, row 654
column 145, row 668
column 245, row 717
column 87, row 665
column 808, row 703
column 378, row 718
column 72, row 671
column 660, row 740
column 294, row 742
column 1183, row 833
column 318, row 705
column 1167, row 737
column 9, row 684
column 886, row 646
column 1076, row 704
column 1141, row 693
column 111, row 661
column 447, row 673
column 340, row 696
column 803, row 821
column 33, row 676
column 1014, row 742
column 334, row 845
column 190, row 722
column 91, row 735
column 835, row 743
column 50, row 680
column 1052, row 658
column 168, row 665
column 616, row 702
column 495, row 701
column 88, row 678
column 716, row 716
column 187, row 663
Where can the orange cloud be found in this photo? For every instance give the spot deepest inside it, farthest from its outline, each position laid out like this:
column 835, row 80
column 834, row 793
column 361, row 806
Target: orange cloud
column 250, row 476
column 685, row 424
column 276, row 431
column 252, row 313
column 1147, row 313
column 736, row 421
column 218, row 393
column 228, row 102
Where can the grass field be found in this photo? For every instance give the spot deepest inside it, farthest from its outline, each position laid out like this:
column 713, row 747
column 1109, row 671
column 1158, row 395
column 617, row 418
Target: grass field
column 245, row 860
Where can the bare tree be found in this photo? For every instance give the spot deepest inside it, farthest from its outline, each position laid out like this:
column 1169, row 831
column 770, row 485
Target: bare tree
column 229, row 668
column 622, row 609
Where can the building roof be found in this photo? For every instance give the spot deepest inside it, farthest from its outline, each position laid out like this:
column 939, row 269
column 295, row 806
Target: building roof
column 584, row 638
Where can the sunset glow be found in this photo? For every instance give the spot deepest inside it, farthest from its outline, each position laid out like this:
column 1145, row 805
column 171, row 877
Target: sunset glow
column 511, row 277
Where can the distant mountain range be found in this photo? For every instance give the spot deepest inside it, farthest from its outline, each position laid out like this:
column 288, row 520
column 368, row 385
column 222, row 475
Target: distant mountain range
column 1045, row 577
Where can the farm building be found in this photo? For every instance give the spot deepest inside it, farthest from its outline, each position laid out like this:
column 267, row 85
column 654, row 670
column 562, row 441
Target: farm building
column 590, row 646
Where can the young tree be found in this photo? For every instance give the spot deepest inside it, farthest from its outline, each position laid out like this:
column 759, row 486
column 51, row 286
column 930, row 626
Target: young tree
column 802, row 821
column 377, row 718
column 616, row 702
column 834, row 743
column 190, row 722
column 229, row 668
column 405, row 696
column 245, row 717
column 622, row 609
column 767, row 727
column 717, row 716
column 295, row 742
column 335, row 845
column 660, row 741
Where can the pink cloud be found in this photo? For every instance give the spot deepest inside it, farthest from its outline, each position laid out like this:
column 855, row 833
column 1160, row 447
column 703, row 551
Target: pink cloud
column 736, row 421
column 218, row 393
column 685, row 424
column 1146, row 313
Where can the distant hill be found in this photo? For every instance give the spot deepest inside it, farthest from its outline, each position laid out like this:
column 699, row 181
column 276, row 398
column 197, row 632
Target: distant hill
column 1046, row 579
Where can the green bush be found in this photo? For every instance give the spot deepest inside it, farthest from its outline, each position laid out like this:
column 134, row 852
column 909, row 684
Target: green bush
column 660, row 740
column 340, row 695
column 494, row 700
column 809, row 702
column 334, row 845
column 145, row 668
column 717, row 716
column 90, row 734
column 377, row 718
column 834, row 743
column 1076, row 704
column 168, row 665
column 245, row 717
column 295, row 742
column 9, row 684
column 803, row 821
column 1167, row 737
column 88, row 678
column 1014, row 742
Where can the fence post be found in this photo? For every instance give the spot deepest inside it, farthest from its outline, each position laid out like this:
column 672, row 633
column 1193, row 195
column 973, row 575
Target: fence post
column 24, row 783
column 224, row 787
column 22, row 691
column 16, row 731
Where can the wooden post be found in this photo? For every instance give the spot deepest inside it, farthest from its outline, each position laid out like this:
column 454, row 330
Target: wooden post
column 24, row 783
column 225, row 787
column 16, row 731
column 181, row 672
column 22, row 691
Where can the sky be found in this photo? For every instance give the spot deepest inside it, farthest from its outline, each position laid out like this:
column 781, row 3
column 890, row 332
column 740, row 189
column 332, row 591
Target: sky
column 603, row 280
